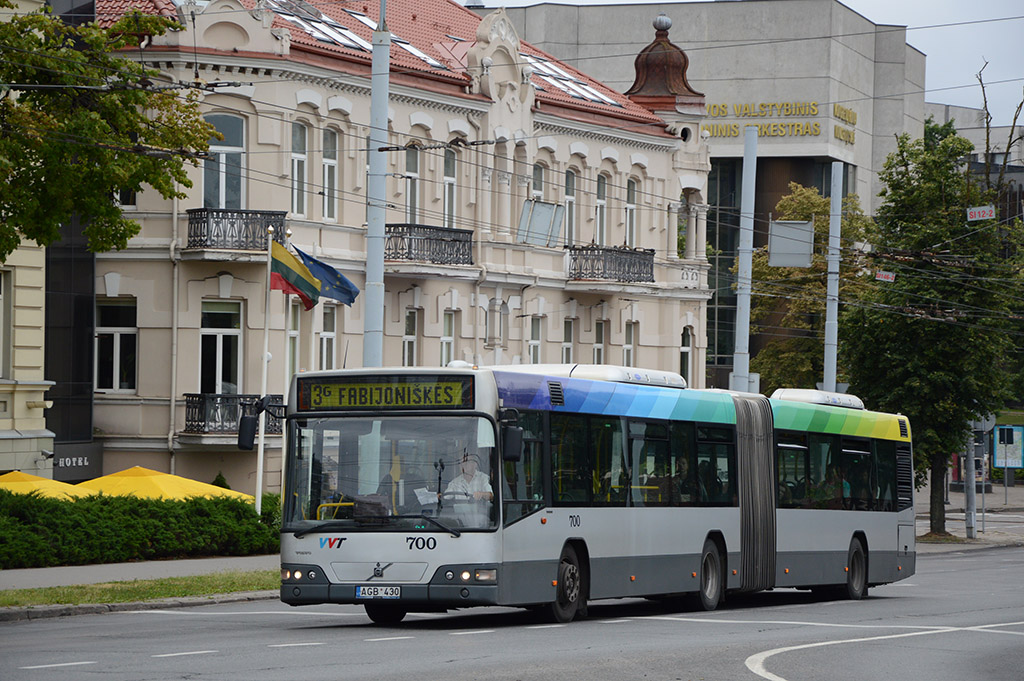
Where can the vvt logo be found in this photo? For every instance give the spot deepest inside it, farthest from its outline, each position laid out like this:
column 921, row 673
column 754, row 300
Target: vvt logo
column 331, row 542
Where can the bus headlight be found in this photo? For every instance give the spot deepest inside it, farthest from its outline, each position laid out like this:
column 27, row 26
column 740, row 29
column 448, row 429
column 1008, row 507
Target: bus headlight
column 487, row 575
column 465, row 575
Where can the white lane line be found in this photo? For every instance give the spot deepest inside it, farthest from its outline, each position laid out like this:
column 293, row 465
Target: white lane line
column 799, row 623
column 622, row 621
column 471, row 633
column 388, row 638
column 545, row 626
column 61, row 664
column 755, row 663
column 294, row 645
column 189, row 652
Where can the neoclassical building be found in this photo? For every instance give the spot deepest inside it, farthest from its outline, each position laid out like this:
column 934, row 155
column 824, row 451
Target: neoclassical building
column 533, row 215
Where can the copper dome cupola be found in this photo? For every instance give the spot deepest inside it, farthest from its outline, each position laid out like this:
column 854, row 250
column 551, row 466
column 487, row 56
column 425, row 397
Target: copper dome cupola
column 661, row 71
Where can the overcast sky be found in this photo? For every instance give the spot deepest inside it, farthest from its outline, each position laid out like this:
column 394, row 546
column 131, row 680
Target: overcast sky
column 955, row 53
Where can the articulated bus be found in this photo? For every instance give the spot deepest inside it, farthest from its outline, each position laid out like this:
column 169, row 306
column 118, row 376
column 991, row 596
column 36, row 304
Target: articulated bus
column 549, row 486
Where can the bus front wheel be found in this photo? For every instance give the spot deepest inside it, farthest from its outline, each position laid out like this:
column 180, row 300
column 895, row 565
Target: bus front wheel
column 856, row 571
column 569, row 589
column 382, row 613
column 711, row 581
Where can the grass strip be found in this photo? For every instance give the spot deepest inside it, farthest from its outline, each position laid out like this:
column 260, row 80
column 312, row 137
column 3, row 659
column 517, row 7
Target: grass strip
column 144, row 589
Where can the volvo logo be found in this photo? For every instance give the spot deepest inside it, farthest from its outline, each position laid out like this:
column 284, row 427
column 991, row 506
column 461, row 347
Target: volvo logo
column 378, row 571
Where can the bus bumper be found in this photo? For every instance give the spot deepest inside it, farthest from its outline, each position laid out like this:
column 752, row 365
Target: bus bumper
column 440, row 592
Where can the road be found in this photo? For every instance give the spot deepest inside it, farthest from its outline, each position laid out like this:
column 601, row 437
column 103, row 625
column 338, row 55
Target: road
column 960, row 617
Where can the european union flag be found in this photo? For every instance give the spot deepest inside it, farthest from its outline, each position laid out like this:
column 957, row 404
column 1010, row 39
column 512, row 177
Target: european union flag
column 333, row 283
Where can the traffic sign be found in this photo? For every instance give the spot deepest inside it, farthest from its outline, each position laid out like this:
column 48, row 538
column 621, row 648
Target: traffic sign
column 981, row 213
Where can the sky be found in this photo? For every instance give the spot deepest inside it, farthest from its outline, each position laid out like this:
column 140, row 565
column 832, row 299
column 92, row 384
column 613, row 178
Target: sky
column 955, row 53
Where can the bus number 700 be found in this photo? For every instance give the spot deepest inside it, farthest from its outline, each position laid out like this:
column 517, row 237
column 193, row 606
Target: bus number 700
column 421, row 543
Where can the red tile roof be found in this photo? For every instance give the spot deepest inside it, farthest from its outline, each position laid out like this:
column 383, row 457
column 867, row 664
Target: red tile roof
column 109, row 11
column 443, row 30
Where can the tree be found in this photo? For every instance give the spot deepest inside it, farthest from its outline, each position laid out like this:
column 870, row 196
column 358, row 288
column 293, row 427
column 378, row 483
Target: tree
column 930, row 344
column 789, row 303
column 80, row 122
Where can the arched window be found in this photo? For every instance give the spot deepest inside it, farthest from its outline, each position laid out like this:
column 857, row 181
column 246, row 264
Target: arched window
column 449, row 189
column 330, row 174
column 570, row 207
column 300, row 143
column 537, row 187
column 601, row 213
column 631, row 213
column 412, row 177
column 223, row 167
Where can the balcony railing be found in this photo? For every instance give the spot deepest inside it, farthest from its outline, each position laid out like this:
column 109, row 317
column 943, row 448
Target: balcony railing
column 244, row 230
column 212, row 413
column 611, row 263
column 422, row 243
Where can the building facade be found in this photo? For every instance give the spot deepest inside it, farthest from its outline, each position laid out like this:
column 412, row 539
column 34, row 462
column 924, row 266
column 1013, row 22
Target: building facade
column 533, row 216
column 821, row 82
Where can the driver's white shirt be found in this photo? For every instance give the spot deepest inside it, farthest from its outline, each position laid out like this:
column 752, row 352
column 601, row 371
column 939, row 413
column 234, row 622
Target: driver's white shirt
column 480, row 483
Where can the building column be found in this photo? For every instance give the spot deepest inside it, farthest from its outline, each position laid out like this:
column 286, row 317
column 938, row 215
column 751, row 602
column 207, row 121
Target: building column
column 701, row 247
column 672, row 246
column 504, row 199
column 691, row 232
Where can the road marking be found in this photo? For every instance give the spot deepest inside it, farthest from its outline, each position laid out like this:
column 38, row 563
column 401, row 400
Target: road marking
column 190, row 652
column 471, row 633
column 388, row 638
column 61, row 664
column 546, row 626
column 293, row 645
column 616, row 621
column 755, row 663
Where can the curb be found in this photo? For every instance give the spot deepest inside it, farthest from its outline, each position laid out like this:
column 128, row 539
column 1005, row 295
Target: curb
column 35, row 612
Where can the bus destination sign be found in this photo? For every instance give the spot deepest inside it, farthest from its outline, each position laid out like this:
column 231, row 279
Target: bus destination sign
column 394, row 392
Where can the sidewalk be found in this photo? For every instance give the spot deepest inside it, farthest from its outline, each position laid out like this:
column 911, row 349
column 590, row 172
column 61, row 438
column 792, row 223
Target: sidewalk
column 1001, row 523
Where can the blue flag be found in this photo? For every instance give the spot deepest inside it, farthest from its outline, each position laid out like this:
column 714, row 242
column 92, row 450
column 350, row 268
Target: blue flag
column 333, row 283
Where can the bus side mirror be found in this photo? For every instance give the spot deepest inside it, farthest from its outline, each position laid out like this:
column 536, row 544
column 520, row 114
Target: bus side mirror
column 511, row 443
column 247, row 431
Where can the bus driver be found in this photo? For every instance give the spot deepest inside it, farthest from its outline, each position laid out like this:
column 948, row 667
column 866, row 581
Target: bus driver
column 472, row 483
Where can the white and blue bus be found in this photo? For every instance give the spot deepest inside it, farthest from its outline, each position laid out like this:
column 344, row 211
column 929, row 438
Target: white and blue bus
column 545, row 486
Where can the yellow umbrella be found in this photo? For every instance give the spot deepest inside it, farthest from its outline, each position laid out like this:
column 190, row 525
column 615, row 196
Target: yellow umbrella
column 143, row 482
column 24, row 483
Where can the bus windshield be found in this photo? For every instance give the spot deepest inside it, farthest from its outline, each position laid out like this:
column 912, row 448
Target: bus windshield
column 384, row 473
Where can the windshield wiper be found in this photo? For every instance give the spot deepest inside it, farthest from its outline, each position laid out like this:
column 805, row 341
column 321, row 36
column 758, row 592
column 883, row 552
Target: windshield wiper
column 452, row 530
column 324, row 527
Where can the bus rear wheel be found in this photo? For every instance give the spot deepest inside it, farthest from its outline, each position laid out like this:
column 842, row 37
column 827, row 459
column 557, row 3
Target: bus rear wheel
column 382, row 613
column 856, row 571
column 711, row 581
column 569, row 590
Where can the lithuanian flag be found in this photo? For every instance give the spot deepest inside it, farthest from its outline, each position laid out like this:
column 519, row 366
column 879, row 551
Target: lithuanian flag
column 288, row 274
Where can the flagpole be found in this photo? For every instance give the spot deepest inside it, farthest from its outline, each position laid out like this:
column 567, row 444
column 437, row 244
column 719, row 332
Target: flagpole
column 265, row 357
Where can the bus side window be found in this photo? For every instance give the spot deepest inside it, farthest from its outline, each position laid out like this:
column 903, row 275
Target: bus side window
column 885, row 466
column 716, row 466
column 608, row 471
column 825, row 487
column 791, row 469
column 683, row 491
column 570, row 478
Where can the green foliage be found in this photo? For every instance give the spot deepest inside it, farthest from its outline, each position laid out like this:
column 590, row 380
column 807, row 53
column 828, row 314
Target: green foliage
column 81, row 122
column 788, row 304
column 37, row 531
column 931, row 344
column 220, row 481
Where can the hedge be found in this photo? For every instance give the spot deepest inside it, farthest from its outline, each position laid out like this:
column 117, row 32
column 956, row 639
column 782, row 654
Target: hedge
column 37, row 531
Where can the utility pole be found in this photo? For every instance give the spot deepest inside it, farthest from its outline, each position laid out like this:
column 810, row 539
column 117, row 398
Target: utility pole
column 376, row 189
column 740, row 379
column 835, row 224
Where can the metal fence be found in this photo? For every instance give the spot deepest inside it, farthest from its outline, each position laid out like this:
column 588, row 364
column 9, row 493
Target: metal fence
column 209, row 413
column 244, row 230
column 611, row 263
column 423, row 243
